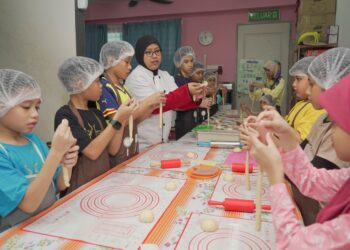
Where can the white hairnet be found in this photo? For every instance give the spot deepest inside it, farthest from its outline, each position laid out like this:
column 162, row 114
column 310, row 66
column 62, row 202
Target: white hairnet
column 300, row 67
column 181, row 53
column 78, row 73
column 329, row 67
column 16, row 87
column 268, row 99
column 114, row 52
column 210, row 76
column 197, row 66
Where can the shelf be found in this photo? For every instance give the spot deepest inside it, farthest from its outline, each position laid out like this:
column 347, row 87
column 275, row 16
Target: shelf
column 316, row 46
column 304, row 48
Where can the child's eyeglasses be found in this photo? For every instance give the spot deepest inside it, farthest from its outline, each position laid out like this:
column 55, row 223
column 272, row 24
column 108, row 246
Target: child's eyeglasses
column 153, row 53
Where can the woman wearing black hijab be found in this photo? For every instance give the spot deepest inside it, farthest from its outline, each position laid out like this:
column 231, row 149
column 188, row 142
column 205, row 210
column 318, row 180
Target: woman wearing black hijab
column 147, row 79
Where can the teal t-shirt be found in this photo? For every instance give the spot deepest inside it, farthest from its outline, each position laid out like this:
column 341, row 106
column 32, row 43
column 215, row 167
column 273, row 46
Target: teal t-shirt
column 17, row 164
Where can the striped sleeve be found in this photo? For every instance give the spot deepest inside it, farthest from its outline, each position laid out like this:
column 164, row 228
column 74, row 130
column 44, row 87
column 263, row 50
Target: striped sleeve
column 107, row 103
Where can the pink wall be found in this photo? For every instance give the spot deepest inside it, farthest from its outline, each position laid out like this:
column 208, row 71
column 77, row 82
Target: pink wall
column 218, row 16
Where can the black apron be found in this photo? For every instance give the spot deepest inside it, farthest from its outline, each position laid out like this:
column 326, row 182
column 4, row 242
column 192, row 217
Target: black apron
column 86, row 169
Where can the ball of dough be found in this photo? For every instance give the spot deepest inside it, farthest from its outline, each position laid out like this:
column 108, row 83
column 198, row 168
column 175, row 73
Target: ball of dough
column 237, row 149
column 228, row 177
column 127, row 142
column 190, row 155
column 209, row 225
column 146, row 216
column 170, row 186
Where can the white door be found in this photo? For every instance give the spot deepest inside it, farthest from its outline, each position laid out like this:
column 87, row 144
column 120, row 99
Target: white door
column 264, row 42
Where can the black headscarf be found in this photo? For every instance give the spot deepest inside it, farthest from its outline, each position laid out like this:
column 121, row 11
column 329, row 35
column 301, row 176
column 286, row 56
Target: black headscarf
column 140, row 48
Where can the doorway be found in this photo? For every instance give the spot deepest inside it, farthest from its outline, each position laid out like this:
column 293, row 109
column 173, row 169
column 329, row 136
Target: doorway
column 263, row 42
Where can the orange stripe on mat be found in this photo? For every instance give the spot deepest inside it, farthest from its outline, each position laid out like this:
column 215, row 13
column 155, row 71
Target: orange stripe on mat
column 211, row 153
column 10, row 234
column 163, row 226
column 73, row 245
column 232, row 214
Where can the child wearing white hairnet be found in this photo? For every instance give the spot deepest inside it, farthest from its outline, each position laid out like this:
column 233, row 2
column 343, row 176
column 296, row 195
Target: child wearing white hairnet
column 97, row 140
column 302, row 116
column 184, row 59
column 185, row 121
column 197, row 75
column 197, row 72
column 115, row 58
column 212, row 95
column 324, row 72
column 266, row 101
column 274, row 85
column 30, row 172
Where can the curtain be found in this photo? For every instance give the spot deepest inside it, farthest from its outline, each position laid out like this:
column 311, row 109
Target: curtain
column 95, row 37
column 167, row 32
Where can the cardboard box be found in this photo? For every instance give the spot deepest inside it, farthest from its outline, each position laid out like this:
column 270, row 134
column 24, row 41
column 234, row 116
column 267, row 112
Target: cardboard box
column 314, row 20
column 314, row 7
column 319, row 23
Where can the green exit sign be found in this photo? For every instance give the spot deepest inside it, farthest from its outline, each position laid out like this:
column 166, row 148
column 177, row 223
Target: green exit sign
column 264, row 15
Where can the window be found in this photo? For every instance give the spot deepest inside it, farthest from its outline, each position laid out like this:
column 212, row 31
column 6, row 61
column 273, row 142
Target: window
column 114, row 32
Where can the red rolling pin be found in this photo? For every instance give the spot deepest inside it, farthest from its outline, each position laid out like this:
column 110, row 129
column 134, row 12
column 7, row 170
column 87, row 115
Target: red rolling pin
column 172, row 163
column 240, row 167
column 238, row 205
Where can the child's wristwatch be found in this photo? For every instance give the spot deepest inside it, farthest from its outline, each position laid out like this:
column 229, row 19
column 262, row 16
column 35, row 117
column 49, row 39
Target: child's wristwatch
column 116, row 124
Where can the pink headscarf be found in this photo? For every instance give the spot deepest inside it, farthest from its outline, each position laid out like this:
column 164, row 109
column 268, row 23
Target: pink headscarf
column 336, row 101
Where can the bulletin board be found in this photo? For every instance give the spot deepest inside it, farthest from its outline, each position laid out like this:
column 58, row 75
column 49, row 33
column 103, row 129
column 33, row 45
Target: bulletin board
column 249, row 70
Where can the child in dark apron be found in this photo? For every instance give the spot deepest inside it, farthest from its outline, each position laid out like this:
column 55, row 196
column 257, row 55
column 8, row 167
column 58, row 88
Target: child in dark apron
column 211, row 79
column 184, row 58
column 116, row 59
column 186, row 120
column 30, row 174
column 97, row 140
column 197, row 75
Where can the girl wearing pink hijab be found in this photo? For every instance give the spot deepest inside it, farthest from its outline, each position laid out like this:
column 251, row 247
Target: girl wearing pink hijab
column 332, row 227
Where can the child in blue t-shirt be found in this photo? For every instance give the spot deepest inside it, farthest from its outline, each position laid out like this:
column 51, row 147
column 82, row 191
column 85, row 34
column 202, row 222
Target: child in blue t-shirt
column 30, row 173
